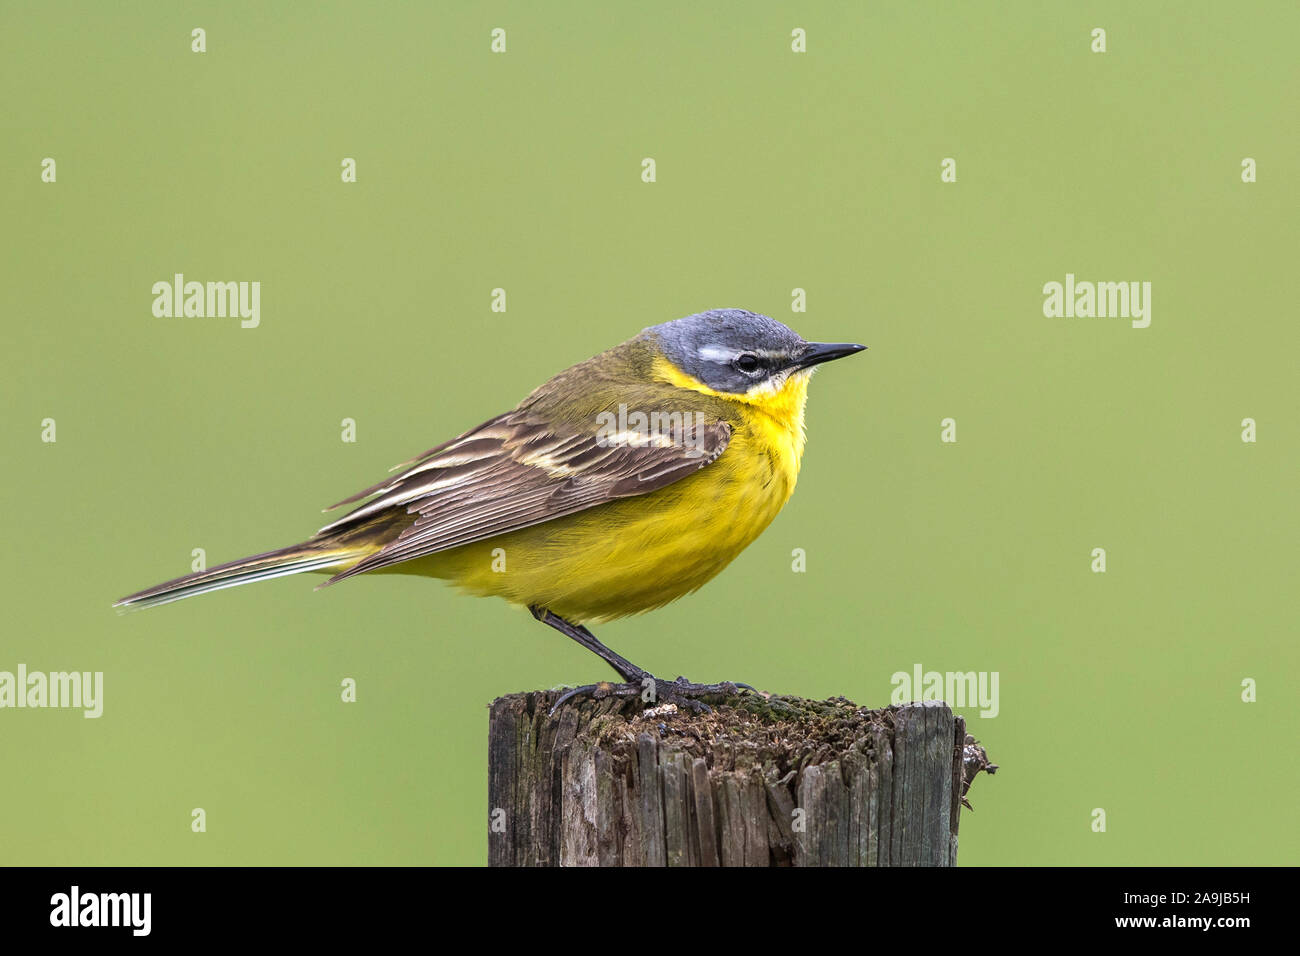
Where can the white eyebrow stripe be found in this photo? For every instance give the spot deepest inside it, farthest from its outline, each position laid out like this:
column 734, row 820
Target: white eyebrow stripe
column 716, row 353
column 719, row 353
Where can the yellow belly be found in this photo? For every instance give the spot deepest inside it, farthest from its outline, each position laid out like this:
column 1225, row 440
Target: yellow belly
column 638, row 553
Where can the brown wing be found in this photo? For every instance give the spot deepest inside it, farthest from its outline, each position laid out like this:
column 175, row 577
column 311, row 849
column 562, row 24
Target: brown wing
column 516, row 471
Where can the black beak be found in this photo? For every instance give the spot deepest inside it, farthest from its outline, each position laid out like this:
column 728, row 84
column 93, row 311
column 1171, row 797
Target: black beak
column 818, row 352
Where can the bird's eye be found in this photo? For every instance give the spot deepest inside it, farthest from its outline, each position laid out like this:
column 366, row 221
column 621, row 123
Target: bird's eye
column 747, row 363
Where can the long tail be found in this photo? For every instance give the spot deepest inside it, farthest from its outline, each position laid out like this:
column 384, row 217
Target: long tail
column 295, row 559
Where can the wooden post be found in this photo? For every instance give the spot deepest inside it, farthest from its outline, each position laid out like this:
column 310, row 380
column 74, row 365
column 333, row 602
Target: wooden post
column 760, row 781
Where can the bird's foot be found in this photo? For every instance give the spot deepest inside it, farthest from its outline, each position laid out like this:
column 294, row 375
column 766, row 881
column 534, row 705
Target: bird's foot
column 653, row 691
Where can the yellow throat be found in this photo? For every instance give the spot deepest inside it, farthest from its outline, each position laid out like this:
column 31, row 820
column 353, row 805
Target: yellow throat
column 772, row 413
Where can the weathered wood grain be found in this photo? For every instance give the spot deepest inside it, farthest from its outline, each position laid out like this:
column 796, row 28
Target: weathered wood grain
column 760, row 781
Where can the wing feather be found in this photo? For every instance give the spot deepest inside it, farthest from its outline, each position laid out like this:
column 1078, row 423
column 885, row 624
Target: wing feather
column 516, row 471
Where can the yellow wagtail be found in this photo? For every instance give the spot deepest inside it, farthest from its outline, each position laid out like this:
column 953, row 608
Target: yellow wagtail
column 621, row 484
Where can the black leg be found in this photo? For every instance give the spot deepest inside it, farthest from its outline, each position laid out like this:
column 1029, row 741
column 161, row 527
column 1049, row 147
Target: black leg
column 640, row 683
column 622, row 666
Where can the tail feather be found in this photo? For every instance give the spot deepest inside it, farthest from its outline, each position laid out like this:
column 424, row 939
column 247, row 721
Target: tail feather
column 294, row 559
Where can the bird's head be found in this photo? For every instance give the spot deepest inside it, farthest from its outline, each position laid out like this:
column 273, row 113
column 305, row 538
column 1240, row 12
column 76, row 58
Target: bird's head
column 740, row 355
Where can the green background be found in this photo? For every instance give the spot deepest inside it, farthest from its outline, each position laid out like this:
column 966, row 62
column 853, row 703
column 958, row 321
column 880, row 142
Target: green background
column 775, row 171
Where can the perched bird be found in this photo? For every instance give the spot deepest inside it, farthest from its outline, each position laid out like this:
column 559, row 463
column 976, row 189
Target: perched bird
column 621, row 484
